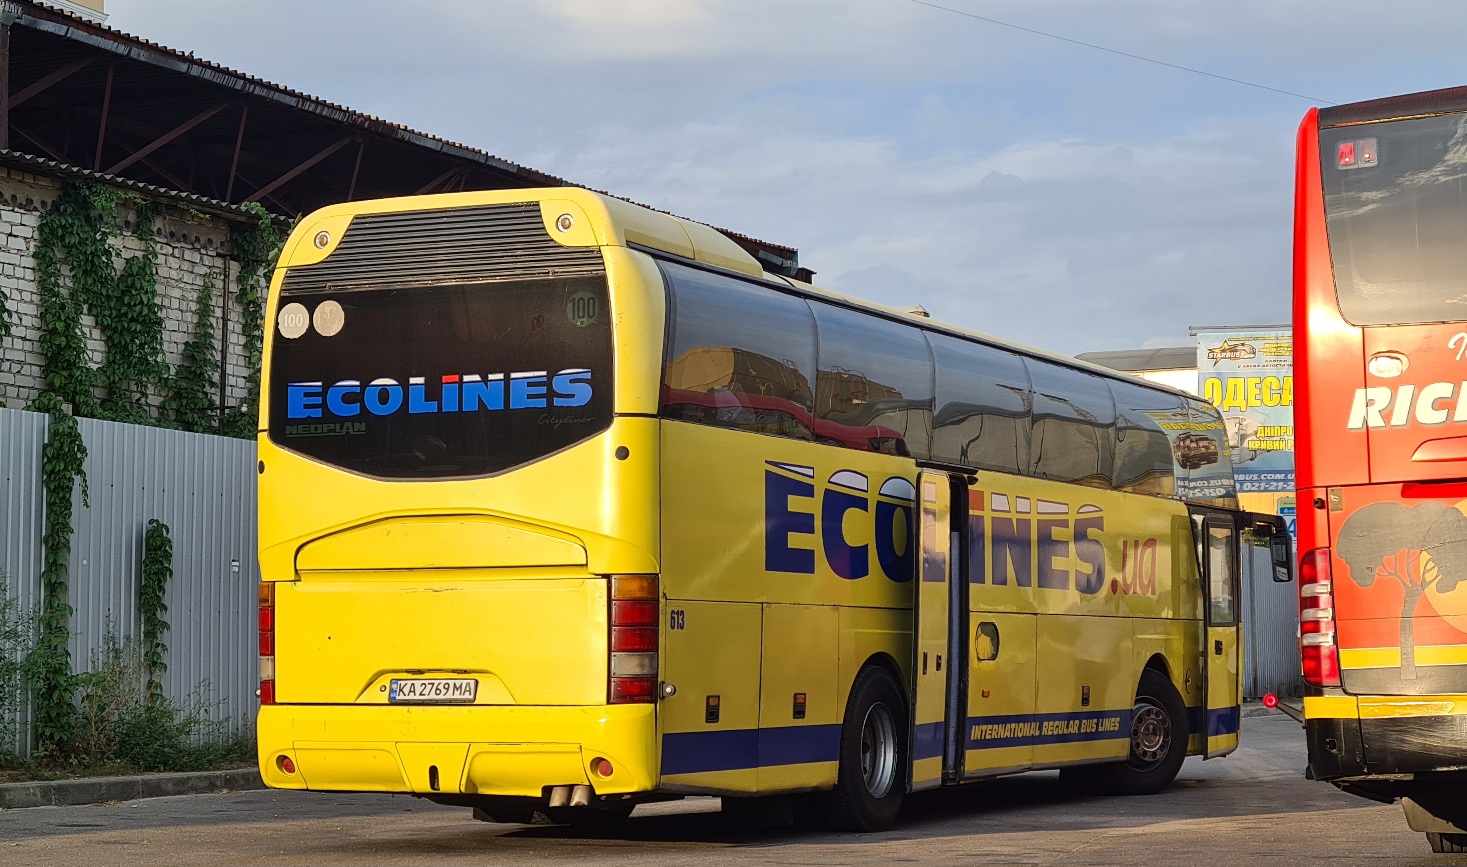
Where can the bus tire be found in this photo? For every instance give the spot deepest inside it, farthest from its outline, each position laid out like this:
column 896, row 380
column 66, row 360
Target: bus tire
column 872, row 774
column 1158, row 741
column 1447, row 843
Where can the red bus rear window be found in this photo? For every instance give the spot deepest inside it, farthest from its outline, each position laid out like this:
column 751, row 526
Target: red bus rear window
column 1395, row 197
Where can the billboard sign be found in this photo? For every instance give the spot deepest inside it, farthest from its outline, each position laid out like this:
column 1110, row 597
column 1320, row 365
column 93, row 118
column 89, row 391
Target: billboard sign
column 1248, row 374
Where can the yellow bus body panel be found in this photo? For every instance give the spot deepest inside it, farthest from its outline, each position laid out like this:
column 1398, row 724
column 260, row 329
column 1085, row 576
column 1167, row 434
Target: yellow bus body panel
column 502, row 578
column 1060, row 691
column 389, row 749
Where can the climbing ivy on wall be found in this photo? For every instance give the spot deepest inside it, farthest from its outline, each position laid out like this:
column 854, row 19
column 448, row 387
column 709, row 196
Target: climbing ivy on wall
column 256, row 249
column 48, row 666
column 74, row 247
column 189, row 405
column 76, row 273
column 157, row 572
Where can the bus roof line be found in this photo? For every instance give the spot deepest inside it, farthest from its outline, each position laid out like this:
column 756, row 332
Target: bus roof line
column 817, row 293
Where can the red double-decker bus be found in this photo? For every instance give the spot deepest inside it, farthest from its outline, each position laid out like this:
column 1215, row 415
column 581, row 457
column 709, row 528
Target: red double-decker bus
column 1380, row 336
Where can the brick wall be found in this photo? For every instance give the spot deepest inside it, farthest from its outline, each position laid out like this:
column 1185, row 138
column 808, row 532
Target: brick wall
column 192, row 249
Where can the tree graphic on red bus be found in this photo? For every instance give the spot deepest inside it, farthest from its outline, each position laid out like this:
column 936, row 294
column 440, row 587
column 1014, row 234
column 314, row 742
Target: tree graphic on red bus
column 1421, row 546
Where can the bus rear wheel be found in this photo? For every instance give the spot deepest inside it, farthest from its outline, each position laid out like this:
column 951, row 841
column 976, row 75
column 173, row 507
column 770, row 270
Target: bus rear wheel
column 1158, row 741
column 871, row 779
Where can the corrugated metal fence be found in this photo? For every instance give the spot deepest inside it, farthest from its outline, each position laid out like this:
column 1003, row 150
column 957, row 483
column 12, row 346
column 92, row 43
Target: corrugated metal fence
column 203, row 488
column 1270, row 630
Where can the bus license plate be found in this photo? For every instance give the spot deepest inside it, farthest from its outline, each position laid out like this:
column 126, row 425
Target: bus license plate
column 452, row 689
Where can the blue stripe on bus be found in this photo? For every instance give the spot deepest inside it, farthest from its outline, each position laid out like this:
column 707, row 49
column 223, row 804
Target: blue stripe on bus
column 1220, row 721
column 744, row 749
column 741, row 749
column 928, row 742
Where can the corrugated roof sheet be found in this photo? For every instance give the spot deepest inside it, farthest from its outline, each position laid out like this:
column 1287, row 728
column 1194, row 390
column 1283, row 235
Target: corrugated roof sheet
column 60, row 22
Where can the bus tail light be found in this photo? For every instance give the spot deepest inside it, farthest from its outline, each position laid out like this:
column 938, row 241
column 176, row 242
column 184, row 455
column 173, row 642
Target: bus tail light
column 1317, row 646
column 634, row 622
column 267, row 642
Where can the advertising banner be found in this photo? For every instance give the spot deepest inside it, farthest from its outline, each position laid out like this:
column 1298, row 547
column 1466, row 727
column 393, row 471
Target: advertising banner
column 1248, row 374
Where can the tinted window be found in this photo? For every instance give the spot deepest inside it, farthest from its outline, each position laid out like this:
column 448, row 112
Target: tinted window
column 1396, row 203
column 739, row 355
column 1074, row 425
column 1222, row 565
column 435, row 381
column 1149, row 424
column 1205, row 464
column 983, row 405
column 874, row 386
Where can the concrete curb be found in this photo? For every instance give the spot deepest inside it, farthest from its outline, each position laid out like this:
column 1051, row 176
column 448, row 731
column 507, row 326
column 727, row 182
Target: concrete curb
column 96, row 790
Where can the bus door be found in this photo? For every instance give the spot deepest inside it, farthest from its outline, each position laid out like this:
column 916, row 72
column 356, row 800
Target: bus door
column 1222, row 681
column 939, row 661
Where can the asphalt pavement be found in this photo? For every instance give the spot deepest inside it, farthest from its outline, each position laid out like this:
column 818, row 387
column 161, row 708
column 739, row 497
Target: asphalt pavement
column 1253, row 808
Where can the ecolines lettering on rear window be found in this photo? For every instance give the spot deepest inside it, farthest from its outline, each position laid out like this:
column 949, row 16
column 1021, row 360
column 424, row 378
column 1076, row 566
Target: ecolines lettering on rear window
column 471, row 392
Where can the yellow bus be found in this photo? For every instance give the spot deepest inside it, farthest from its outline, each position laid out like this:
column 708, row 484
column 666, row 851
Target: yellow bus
column 567, row 505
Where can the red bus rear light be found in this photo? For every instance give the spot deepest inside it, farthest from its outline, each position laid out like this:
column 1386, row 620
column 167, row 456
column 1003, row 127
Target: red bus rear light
column 633, row 690
column 633, row 640
column 634, row 614
column 1318, row 650
column 267, row 643
column 635, row 620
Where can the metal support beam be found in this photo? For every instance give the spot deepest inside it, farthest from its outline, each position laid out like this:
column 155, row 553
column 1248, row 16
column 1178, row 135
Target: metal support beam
column 351, row 190
column 244, row 116
column 51, row 152
column 169, row 136
column 102, row 127
column 5, row 84
column 49, row 80
column 441, row 179
column 298, row 170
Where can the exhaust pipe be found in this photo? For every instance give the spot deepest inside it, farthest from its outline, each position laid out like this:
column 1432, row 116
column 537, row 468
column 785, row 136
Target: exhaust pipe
column 580, row 796
column 560, row 796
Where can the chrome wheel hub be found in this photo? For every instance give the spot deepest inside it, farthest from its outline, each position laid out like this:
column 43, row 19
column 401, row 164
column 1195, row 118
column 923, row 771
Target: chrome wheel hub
column 1151, row 735
column 878, row 751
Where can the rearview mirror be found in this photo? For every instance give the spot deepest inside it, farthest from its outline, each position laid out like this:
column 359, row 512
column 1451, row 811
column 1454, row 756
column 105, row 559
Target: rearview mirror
column 1281, row 552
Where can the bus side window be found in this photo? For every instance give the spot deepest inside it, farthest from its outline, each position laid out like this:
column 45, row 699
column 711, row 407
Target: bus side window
column 983, row 404
column 1145, row 463
column 1074, row 435
column 738, row 355
column 1222, row 568
column 874, row 386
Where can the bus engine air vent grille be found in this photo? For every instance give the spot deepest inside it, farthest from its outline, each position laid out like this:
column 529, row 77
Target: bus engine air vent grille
column 459, row 245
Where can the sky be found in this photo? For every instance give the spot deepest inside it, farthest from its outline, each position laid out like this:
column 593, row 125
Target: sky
column 1026, row 187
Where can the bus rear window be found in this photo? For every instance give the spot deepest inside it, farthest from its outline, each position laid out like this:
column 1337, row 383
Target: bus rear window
column 441, row 381
column 1396, row 204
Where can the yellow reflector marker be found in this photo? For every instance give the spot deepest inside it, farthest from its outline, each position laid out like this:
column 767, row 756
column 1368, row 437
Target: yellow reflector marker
column 634, row 587
column 267, row 593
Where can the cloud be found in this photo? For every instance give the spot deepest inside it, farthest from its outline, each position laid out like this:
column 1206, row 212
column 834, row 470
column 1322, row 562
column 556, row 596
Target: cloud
column 1030, row 188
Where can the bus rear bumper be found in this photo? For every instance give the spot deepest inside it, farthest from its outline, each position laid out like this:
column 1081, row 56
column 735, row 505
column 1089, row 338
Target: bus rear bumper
column 444, row 750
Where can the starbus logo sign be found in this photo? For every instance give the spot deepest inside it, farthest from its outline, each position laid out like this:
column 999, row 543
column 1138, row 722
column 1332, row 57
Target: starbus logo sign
column 467, row 392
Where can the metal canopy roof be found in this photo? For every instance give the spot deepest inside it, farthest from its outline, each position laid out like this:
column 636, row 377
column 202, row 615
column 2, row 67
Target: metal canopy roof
column 95, row 98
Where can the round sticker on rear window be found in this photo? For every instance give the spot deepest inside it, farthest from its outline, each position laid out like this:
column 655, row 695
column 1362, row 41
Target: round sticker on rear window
column 328, row 318
column 293, row 321
column 583, row 309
